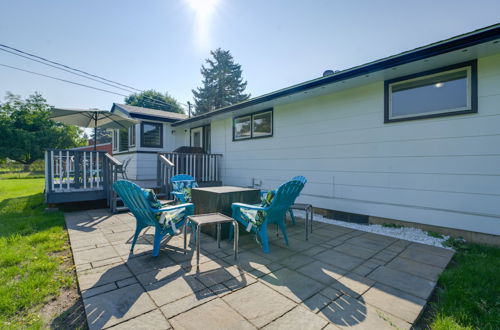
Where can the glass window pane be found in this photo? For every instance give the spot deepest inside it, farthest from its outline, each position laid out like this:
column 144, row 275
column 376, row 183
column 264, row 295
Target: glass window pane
column 434, row 94
column 131, row 136
column 262, row 124
column 242, row 128
column 123, row 140
column 151, row 135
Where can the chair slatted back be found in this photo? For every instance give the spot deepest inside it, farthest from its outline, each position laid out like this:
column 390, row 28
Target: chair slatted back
column 284, row 198
column 135, row 200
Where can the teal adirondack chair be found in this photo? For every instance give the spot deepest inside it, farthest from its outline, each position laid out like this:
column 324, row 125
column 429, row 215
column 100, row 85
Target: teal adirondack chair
column 290, row 211
column 133, row 197
column 272, row 214
column 179, row 184
column 304, row 181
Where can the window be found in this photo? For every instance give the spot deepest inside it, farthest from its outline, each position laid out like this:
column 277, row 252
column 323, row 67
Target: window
column 131, row 136
column 151, row 135
column 442, row 92
column 256, row 125
column 123, row 140
column 242, row 127
column 115, row 139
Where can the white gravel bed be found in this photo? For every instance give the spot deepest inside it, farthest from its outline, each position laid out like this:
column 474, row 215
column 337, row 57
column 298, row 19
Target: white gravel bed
column 406, row 233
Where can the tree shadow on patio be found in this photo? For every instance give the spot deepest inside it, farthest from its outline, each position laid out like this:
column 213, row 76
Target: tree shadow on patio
column 126, row 290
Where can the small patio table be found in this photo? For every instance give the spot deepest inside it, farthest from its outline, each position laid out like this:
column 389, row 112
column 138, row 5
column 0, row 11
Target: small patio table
column 211, row 218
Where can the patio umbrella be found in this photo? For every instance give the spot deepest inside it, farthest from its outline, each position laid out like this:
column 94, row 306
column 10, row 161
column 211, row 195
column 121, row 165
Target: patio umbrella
column 91, row 118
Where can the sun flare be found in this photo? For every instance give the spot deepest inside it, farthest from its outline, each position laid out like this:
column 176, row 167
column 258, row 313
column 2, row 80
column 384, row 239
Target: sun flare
column 203, row 7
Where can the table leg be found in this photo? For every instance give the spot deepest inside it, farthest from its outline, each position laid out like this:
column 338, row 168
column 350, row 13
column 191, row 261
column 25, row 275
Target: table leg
column 307, row 225
column 218, row 235
column 185, row 232
column 311, row 217
column 236, row 238
column 198, row 239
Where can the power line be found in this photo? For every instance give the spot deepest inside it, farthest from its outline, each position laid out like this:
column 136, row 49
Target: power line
column 60, row 79
column 68, row 67
column 84, row 74
column 78, row 74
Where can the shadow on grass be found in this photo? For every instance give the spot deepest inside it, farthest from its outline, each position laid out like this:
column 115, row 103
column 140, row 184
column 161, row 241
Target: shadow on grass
column 25, row 216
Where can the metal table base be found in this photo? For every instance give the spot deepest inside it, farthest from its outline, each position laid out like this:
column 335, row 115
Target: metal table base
column 212, row 218
column 308, row 208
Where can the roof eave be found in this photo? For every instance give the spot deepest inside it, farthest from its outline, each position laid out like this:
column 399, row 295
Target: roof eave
column 449, row 45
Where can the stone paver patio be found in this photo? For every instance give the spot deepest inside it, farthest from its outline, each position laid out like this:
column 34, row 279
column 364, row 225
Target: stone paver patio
column 340, row 278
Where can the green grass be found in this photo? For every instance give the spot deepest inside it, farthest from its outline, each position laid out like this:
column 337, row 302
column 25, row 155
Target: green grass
column 21, row 175
column 33, row 246
column 468, row 293
column 434, row 234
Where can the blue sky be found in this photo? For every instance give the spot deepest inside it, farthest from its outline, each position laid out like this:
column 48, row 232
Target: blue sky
column 162, row 44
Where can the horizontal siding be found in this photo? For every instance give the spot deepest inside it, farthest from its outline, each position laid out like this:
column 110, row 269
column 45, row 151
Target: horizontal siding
column 443, row 171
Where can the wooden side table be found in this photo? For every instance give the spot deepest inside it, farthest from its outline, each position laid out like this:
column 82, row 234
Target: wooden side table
column 214, row 219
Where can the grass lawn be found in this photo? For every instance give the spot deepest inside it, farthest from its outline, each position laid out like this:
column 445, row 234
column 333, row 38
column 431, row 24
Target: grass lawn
column 468, row 292
column 21, row 175
column 35, row 262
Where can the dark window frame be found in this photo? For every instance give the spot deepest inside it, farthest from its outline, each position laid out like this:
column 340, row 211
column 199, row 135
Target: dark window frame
column 132, row 137
column 115, row 139
column 473, row 92
column 143, row 145
column 251, row 137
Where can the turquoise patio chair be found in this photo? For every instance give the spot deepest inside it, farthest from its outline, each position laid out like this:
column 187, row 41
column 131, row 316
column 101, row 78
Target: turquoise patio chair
column 135, row 199
column 262, row 216
column 181, row 187
column 290, row 211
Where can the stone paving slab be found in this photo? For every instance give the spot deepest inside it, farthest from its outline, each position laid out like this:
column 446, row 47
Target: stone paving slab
column 406, row 282
column 338, row 278
column 298, row 318
column 148, row 321
column 259, row 304
column 215, row 315
column 116, row 306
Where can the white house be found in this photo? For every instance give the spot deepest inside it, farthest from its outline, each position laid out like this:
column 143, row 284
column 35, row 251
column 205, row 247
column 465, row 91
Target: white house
column 138, row 146
column 413, row 137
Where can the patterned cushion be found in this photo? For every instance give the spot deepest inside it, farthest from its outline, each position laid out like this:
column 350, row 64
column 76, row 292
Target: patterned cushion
column 257, row 217
column 185, row 186
column 171, row 218
column 151, row 198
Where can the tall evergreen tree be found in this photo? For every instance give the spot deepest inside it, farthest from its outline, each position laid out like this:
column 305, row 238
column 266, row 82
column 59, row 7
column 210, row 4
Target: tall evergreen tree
column 222, row 83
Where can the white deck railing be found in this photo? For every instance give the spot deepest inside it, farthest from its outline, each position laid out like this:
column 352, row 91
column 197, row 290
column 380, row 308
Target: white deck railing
column 203, row 167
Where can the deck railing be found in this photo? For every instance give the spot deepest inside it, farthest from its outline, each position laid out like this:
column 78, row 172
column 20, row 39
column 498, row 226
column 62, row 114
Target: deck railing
column 203, row 167
column 69, row 170
column 78, row 171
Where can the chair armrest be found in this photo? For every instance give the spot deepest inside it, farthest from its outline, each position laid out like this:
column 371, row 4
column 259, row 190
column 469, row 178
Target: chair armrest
column 248, row 207
column 189, row 206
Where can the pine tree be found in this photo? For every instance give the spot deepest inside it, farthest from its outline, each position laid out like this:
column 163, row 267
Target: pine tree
column 222, row 83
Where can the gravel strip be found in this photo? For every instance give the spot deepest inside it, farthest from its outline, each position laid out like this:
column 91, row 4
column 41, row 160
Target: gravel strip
column 406, row 233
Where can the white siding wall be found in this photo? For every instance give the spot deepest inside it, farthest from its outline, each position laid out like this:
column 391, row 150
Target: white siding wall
column 143, row 165
column 443, row 171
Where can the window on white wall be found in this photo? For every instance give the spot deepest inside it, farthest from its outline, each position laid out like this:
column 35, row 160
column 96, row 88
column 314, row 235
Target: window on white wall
column 151, row 135
column 253, row 126
column 442, row 92
column 131, row 136
column 242, row 127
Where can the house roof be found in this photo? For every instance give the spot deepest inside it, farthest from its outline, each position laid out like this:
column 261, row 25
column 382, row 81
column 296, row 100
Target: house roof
column 147, row 113
column 462, row 41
